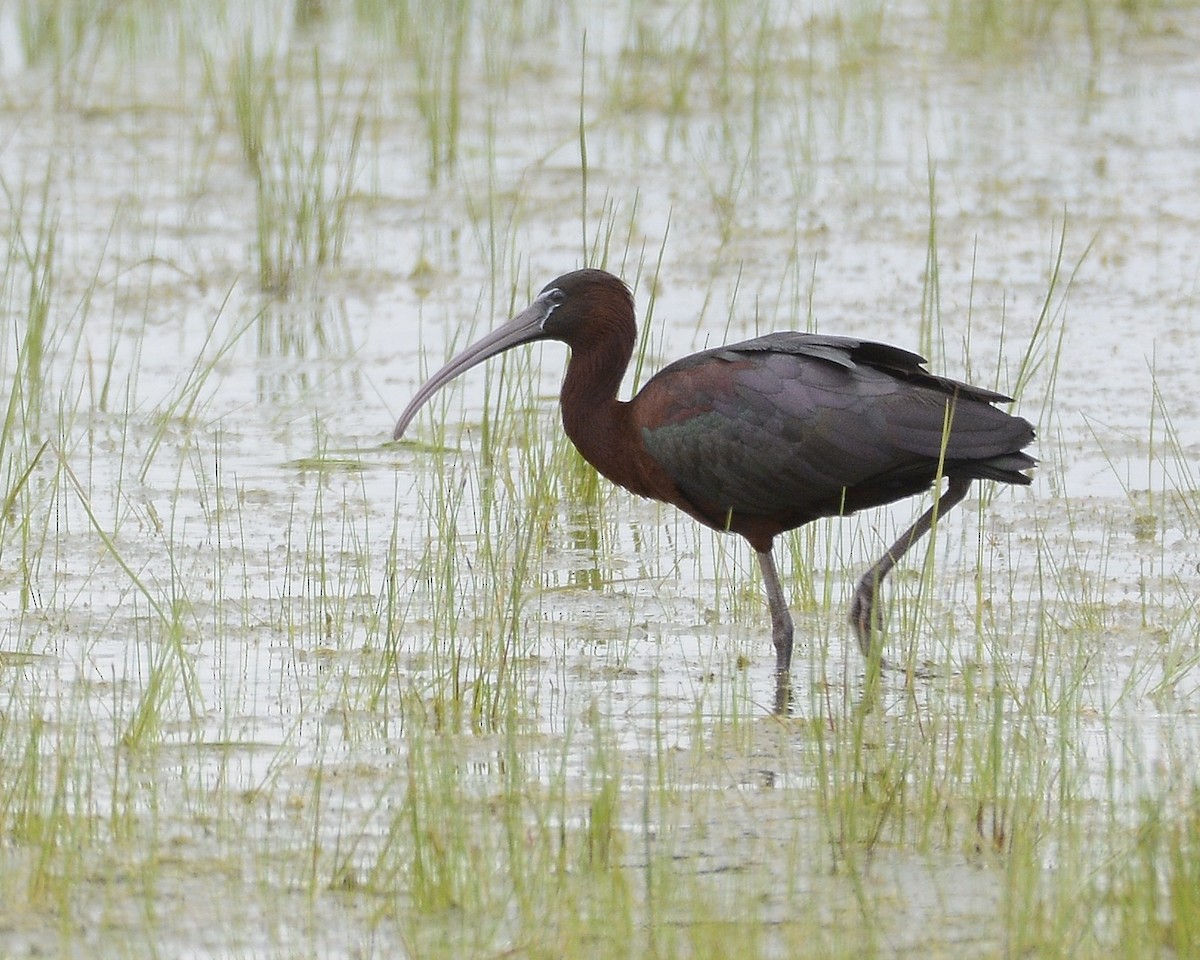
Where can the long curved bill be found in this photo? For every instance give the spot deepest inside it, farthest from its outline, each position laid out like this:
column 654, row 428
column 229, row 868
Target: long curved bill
column 526, row 327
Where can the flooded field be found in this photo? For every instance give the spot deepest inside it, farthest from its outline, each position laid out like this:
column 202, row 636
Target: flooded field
column 273, row 685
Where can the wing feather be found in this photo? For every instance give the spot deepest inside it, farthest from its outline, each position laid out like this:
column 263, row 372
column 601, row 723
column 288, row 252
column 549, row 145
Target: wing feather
column 800, row 426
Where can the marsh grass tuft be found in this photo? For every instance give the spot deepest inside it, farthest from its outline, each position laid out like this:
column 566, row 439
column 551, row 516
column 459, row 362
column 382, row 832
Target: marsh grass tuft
column 1021, row 29
column 301, row 140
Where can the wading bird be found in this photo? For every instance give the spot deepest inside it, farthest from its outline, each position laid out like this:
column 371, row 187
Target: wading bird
column 766, row 435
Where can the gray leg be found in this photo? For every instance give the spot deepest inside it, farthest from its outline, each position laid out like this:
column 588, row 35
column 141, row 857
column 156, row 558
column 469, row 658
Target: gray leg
column 781, row 618
column 864, row 616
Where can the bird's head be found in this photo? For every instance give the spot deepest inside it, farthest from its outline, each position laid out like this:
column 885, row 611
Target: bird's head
column 561, row 311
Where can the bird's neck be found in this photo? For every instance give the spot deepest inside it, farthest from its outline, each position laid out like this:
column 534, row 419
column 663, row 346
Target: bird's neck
column 596, row 421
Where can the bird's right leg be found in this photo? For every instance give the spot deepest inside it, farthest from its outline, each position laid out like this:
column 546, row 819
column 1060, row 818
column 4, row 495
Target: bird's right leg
column 867, row 621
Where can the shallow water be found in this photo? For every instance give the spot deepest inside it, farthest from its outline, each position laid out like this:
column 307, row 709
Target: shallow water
column 246, row 637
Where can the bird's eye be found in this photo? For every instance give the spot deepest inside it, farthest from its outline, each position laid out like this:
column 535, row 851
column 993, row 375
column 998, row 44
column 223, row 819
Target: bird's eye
column 550, row 301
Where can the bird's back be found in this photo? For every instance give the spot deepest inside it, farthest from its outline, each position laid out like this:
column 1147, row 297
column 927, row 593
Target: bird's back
column 794, row 426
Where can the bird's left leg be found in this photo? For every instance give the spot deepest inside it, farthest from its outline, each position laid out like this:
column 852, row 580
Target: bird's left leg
column 781, row 618
column 864, row 616
column 782, row 630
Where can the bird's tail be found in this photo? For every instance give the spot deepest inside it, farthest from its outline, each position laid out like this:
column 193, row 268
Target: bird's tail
column 1006, row 468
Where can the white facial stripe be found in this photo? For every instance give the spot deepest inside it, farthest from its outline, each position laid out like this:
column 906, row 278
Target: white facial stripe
column 550, row 300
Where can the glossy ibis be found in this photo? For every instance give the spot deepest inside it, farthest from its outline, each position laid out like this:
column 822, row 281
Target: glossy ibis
column 765, row 435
